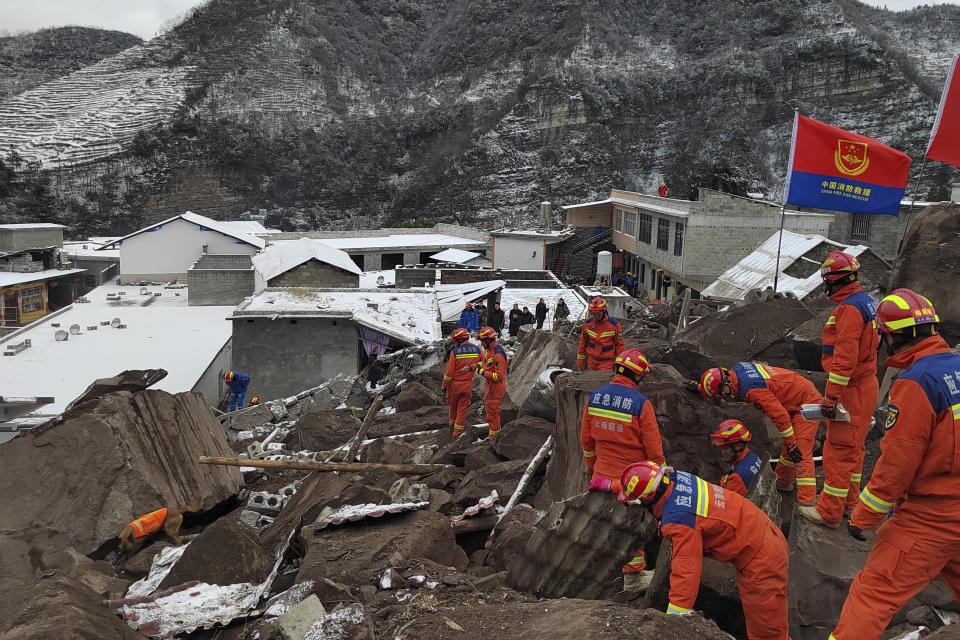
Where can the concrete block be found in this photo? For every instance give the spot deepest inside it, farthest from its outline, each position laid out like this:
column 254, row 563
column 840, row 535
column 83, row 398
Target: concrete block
column 294, row 623
column 265, row 503
column 250, row 518
column 254, row 450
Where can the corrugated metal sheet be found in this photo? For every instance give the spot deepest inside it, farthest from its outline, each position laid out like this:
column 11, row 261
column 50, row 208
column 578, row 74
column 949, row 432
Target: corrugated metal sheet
column 756, row 271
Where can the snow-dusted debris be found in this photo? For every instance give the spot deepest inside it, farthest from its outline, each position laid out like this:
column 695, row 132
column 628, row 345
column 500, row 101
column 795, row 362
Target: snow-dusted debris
column 162, row 564
column 484, row 503
column 354, row 512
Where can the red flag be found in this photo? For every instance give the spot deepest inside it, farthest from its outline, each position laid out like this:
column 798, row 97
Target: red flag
column 945, row 137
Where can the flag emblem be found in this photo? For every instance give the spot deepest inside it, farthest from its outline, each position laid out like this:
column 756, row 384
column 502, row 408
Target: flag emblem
column 851, row 157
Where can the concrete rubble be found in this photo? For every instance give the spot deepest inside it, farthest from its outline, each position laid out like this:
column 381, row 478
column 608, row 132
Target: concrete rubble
column 459, row 553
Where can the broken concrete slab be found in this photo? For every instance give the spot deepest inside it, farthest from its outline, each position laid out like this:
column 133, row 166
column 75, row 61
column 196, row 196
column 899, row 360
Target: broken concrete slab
column 349, row 623
column 131, row 441
column 206, row 557
column 294, row 624
column 521, row 438
column 248, row 418
column 538, row 351
column 132, row 380
column 502, row 477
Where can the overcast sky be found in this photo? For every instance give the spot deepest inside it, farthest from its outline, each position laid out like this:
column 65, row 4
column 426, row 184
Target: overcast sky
column 144, row 17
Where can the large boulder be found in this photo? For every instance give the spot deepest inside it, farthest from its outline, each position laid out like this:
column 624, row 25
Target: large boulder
column 226, row 552
column 502, row 477
column 111, row 458
column 929, row 262
column 414, row 396
column 323, row 430
column 521, row 438
column 537, row 352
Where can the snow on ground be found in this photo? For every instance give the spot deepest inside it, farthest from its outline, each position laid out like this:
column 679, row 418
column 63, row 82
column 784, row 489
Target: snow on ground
column 368, row 279
column 162, row 332
column 530, row 298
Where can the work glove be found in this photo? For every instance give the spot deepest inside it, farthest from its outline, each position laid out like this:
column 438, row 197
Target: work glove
column 600, row 484
column 480, row 370
column 794, row 453
column 581, row 365
column 855, row 532
column 828, row 407
column 693, row 386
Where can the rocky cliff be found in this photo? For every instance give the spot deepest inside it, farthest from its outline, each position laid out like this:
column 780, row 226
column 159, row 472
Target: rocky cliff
column 362, row 113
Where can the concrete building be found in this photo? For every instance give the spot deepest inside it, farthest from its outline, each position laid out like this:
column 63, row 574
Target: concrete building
column 671, row 244
column 222, row 280
column 461, row 257
column 528, row 249
column 307, row 263
column 16, row 237
column 156, row 330
column 102, row 265
column 165, row 251
column 377, row 249
column 288, row 340
column 34, row 282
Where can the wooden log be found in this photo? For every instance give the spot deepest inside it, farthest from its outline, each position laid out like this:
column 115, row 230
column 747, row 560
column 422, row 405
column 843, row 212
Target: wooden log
column 362, row 431
column 473, row 525
column 308, row 465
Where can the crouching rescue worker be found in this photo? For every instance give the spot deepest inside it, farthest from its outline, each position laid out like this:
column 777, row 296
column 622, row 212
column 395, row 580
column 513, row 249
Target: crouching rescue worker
column 917, row 475
column 779, row 393
column 458, row 378
column 730, row 438
column 237, row 383
column 619, row 426
column 850, row 359
column 493, row 368
column 702, row 519
column 601, row 339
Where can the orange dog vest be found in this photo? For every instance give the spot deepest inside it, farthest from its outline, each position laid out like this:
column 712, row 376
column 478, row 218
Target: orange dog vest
column 145, row 525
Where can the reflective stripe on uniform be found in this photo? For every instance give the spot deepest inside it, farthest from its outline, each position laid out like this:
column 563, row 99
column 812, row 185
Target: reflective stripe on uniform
column 838, row 379
column 956, row 411
column 674, row 610
column 607, row 334
column 607, row 413
column 832, row 320
column 640, row 558
column 785, row 462
column 855, row 477
column 806, row 482
column 467, row 355
column 591, row 333
column 786, row 433
column 835, row 492
column 875, row 503
column 763, row 372
column 579, row 357
column 496, row 378
column 589, row 454
column 703, row 498
column 447, row 378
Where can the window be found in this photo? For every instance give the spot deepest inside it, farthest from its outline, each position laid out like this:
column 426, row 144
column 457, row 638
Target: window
column 630, row 223
column 646, row 223
column 678, row 240
column 663, row 234
column 618, row 220
column 31, row 299
column 860, row 227
column 643, row 272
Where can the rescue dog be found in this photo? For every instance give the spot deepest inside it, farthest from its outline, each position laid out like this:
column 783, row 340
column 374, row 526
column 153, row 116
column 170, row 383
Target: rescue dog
column 135, row 534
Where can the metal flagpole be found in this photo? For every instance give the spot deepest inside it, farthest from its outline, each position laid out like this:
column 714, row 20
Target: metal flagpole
column 916, row 186
column 786, row 194
column 776, row 267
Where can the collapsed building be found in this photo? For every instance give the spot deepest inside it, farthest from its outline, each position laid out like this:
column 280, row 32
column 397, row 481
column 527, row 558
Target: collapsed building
column 415, row 534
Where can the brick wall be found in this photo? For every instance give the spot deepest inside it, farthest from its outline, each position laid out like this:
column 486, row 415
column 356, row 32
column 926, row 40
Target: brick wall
column 316, row 274
column 219, row 287
column 413, row 277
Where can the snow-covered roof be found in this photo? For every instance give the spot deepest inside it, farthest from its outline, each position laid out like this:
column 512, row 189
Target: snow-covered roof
column 452, row 298
column 456, row 256
column 200, row 221
column 409, row 315
column 283, row 256
column 394, row 241
column 251, row 227
column 10, row 278
column 530, row 298
column 33, row 225
column 162, row 332
column 89, row 249
column 756, row 271
column 550, row 235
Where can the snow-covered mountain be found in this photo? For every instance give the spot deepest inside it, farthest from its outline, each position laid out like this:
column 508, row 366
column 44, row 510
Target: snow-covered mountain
column 388, row 111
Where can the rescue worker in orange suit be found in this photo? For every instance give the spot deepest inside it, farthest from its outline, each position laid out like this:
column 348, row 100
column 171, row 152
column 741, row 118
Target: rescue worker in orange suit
column 917, row 475
column 744, row 465
column 779, row 393
column 850, row 359
column 601, row 339
column 458, row 378
column 619, row 426
column 493, row 368
column 702, row 519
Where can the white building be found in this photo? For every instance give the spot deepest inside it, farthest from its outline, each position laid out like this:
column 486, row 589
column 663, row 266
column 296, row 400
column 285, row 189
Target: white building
column 528, row 249
column 465, row 258
column 163, row 252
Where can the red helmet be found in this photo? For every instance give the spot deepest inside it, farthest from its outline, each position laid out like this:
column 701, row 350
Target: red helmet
column 229, row 376
column 255, row 400
column 728, row 432
column 640, row 480
column 635, row 361
column 597, row 304
column 460, row 335
column 469, row 305
column 902, row 309
column 712, row 380
column 838, row 265
column 487, row 333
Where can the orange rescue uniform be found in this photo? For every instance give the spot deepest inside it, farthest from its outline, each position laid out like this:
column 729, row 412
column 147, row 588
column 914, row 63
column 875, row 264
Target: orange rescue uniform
column 495, row 385
column 702, row 519
column 779, row 393
column 458, row 383
column 619, row 428
column 918, row 478
column 150, row 523
column 849, row 357
column 742, row 473
column 600, row 342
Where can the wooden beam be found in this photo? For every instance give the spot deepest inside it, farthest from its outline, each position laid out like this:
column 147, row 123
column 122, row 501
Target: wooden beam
column 309, row 465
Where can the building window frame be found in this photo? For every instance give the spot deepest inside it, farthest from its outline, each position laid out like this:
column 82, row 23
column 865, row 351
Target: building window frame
column 663, row 234
column 629, row 223
column 678, row 232
column 860, row 226
column 618, row 219
column 645, row 228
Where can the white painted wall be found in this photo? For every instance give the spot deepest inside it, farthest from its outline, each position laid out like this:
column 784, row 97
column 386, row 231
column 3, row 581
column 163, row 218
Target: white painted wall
column 168, row 251
column 518, row 253
column 210, row 383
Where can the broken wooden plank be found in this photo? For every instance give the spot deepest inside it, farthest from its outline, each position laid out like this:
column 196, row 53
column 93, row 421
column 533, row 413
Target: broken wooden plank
column 308, row 465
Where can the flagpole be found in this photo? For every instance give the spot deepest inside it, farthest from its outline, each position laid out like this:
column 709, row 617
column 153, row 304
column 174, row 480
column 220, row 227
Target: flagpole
column 776, row 268
column 916, row 186
column 786, row 194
